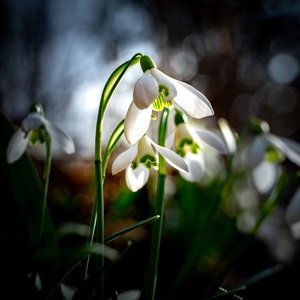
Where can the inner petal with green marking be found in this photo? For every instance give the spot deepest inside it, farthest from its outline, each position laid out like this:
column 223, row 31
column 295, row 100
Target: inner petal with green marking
column 273, row 155
column 159, row 103
column 166, row 87
column 145, row 156
column 185, row 140
column 37, row 135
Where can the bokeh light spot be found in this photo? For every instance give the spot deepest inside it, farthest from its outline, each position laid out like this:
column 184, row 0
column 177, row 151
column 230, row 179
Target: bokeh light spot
column 283, row 68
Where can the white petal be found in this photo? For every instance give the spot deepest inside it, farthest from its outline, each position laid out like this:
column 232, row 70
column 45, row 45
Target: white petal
column 212, row 139
column 164, row 81
column 196, row 166
column 136, row 122
column 228, row 135
column 145, row 90
column 293, row 209
column 60, row 138
column 137, row 178
column 256, row 151
column 288, row 147
column 264, row 176
column 17, row 145
column 171, row 157
column 33, row 121
column 191, row 100
column 170, row 140
column 295, row 229
column 124, row 159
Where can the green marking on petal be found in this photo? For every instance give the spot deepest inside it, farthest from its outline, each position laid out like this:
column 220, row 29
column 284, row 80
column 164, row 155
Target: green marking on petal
column 159, row 103
column 164, row 89
column 181, row 152
column 180, row 117
column 134, row 164
column 34, row 136
column 273, row 155
column 195, row 148
column 187, row 145
column 185, row 141
column 37, row 135
column 148, row 160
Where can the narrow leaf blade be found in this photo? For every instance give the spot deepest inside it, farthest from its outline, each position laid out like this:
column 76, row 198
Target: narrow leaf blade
column 130, row 228
column 113, row 140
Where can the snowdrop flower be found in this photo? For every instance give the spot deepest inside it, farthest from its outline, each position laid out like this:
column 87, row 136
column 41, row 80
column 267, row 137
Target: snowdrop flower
column 188, row 143
column 35, row 128
column 266, row 151
column 229, row 135
column 154, row 90
column 293, row 214
column 140, row 158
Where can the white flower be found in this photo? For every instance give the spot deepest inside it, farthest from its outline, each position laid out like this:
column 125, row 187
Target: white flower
column 264, row 154
column 229, row 135
column 293, row 214
column 188, row 143
column 140, row 158
column 154, row 90
column 33, row 129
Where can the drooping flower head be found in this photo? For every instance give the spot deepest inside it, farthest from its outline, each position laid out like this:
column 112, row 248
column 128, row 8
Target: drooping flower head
column 189, row 143
column 140, row 158
column 35, row 128
column 266, row 152
column 154, row 90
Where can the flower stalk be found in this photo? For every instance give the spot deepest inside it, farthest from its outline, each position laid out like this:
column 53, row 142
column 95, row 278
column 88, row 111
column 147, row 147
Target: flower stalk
column 97, row 218
column 45, row 185
column 159, row 209
column 46, row 176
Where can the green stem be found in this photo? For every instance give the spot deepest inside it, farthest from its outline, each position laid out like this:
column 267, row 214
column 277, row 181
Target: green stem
column 108, row 91
column 100, row 221
column 159, row 209
column 241, row 244
column 46, row 176
column 45, row 185
column 90, row 237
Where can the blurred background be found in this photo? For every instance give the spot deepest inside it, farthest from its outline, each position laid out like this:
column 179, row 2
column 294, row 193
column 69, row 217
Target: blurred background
column 243, row 55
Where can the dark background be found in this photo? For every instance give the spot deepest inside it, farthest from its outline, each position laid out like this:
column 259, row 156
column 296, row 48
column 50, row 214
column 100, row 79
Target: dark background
column 243, row 55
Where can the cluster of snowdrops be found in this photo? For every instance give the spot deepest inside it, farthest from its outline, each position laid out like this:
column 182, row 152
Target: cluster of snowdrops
column 182, row 149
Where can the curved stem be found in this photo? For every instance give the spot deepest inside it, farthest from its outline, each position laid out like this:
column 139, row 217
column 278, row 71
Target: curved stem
column 97, row 219
column 159, row 209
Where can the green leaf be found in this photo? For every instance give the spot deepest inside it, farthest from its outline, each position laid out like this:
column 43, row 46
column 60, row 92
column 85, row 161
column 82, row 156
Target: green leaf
column 262, row 275
column 224, row 294
column 21, row 204
column 70, row 228
column 113, row 140
column 272, row 201
column 130, row 228
column 82, row 230
column 86, row 289
column 75, row 259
